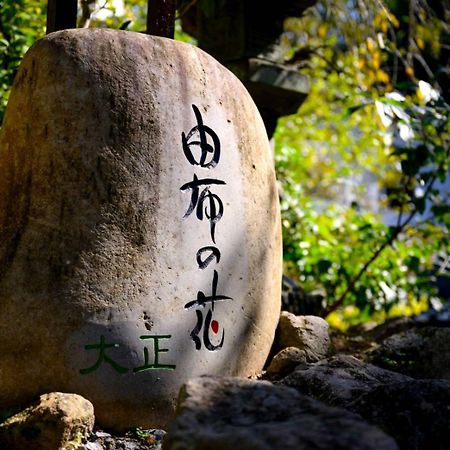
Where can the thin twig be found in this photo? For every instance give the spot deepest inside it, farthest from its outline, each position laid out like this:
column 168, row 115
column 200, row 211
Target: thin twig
column 402, row 203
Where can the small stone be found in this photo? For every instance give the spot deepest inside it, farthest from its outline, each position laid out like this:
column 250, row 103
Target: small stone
column 308, row 333
column 158, row 434
column 91, row 446
column 102, row 434
column 286, row 360
column 57, row 421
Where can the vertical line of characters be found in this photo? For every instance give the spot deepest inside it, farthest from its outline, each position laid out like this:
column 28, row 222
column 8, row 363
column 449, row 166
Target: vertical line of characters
column 201, row 147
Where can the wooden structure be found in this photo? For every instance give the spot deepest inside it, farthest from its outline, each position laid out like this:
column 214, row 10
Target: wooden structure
column 62, row 14
column 244, row 36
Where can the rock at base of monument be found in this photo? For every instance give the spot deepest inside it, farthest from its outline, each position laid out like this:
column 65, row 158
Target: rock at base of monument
column 340, row 379
column 56, row 421
column 419, row 353
column 139, row 222
column 414, row 412
column 286, row 360
column 230, row 413
column 307, row 333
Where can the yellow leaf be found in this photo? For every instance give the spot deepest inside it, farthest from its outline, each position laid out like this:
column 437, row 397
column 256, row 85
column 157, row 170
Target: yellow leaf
column 376, row 60
column 382, row 76
column 350, row 311
column 394, row 20
column 322, row 31
column 420, row 43
column 409, row 71
column 420, row 96
column 335, row 321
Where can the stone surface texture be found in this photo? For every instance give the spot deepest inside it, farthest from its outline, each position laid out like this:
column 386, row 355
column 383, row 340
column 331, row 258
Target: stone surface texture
column 97, row 245
column 419, row 353
column 339, row 380
column 391, row 326
column 286, row 360
column 229, row 414
column 414, row 412
column 57, row 421
column 308, row 333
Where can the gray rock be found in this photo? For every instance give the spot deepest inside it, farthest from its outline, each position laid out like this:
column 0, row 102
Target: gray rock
column 419, row 353
column 286, row 360
column 339, row 379
column 230, row 414
column 295, row 300
column 56, row 421
column 390, row 327
column 308, row 333
column 414, row 412
column 91, row 446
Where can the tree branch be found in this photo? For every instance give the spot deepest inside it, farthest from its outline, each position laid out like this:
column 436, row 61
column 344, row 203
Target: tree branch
column 85, row 18
column 387, row 243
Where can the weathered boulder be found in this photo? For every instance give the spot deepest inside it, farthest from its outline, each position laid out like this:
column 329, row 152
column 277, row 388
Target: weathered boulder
column 419, row 353
column 308, row 333
column 139, row 225
column 231, row 413
column 414, row 412
column 391, row 326
column 57, row 421
column 339, row 380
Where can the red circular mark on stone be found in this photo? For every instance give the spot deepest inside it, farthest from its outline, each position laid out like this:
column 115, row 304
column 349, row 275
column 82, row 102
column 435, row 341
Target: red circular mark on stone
column 215, row 326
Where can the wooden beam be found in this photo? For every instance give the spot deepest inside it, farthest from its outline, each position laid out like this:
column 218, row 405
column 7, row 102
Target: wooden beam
column 61, row 14
column 161, row 18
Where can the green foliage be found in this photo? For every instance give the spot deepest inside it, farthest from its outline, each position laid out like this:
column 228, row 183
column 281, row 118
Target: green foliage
column 367, row 117
column 21, row 23
column 132, row 17
column 130, row 14
column 145, row 436
column 211, row 7
column 139, row 433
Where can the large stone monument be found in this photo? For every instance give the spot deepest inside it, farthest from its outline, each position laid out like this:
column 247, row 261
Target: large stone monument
column 139, row 225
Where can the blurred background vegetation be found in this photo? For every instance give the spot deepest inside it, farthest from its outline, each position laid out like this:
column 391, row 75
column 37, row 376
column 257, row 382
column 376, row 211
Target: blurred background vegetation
column 362, row 166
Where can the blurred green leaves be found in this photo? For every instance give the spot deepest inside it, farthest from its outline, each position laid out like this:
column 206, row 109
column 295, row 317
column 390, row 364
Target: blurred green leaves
column 367, row 121
column 22, row 22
